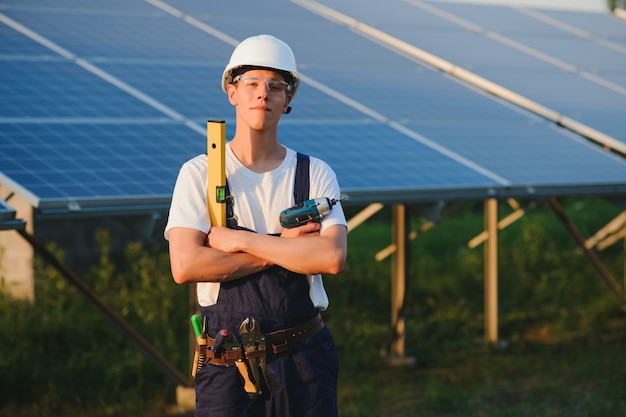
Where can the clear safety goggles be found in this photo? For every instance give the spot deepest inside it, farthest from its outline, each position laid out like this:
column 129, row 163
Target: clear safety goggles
column 253, row 83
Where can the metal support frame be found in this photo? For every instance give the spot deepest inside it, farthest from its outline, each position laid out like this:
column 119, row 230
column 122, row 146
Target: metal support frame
column 86, row 291
column 402, row 237
column 490, row 236
column 401, row 262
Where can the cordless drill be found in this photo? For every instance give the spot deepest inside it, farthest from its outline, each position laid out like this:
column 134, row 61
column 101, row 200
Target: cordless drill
column 309, row 211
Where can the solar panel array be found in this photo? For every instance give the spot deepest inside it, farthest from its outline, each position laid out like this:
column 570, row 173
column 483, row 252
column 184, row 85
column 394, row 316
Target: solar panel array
column 100, row 104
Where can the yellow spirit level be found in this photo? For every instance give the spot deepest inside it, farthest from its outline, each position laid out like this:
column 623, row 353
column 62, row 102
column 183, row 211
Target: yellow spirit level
column 216, row 185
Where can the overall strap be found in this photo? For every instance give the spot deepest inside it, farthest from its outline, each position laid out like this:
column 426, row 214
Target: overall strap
column 300, row 190
column 302, row 183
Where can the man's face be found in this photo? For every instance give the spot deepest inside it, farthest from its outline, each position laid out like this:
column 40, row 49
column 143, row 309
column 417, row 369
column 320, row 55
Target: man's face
column 260, row 97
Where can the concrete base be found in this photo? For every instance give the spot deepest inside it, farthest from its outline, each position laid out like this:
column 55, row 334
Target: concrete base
column 402, row 361
column 16, row 254
column 186, row 398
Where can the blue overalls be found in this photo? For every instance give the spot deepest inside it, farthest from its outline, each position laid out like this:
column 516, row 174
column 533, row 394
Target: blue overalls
column 303, row 382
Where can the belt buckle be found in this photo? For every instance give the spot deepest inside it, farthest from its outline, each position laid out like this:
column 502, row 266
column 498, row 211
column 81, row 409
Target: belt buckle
column 280, row 349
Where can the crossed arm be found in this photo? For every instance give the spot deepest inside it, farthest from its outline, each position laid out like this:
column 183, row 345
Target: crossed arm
column 226, row 254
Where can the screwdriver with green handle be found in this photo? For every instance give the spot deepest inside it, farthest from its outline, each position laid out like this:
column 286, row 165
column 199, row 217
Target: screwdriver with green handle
column 196, row 323
column 200, row 355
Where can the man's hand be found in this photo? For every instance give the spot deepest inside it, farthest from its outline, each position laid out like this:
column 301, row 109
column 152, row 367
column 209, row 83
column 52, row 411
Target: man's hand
column 309, row 229
column 225, row 239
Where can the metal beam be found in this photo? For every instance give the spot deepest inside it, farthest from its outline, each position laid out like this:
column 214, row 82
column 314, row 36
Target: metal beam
column 591, row 255
column 609, row 234
column 363, row 215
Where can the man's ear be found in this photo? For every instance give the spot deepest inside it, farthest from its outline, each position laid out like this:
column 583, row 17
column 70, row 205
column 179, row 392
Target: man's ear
column 230, row 90
column 287, row 107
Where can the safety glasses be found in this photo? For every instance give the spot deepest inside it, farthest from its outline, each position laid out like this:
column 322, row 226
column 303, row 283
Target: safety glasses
column 253, row 83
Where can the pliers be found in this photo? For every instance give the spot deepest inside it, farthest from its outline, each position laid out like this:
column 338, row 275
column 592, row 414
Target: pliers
column 254, row 346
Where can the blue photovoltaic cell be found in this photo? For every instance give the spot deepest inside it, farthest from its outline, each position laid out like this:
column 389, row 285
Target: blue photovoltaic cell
column 603, row 25
column 145, row 34
column 548, row 65
column 392, row 128
column 563, row 161
column 71, row 6
column 375, row 157
column 545, row 37
column 15, row 45
column 181, row 86
column 60, row 89
column 596, row 107
column 91, row 162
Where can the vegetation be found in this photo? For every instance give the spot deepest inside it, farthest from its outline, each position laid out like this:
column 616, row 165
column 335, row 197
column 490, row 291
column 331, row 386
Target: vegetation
column 562, row 331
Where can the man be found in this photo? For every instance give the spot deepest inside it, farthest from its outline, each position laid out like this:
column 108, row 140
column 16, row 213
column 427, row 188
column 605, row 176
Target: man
column 258, row 271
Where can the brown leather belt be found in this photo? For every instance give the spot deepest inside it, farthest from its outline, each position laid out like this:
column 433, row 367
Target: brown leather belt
column 279, row 343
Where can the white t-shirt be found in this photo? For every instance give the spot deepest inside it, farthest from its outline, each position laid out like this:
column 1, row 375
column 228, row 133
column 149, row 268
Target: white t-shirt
column 259, row 199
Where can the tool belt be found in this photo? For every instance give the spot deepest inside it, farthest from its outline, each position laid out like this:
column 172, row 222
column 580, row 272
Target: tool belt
column 279, row 343
column 251, row 351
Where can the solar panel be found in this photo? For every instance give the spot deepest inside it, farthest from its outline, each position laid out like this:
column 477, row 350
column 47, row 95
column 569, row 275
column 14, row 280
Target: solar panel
column 572, row 62
column 100, row 106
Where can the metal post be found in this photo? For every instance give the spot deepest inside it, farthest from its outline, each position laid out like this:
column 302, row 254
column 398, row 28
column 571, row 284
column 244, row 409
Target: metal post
column 400, row 268
column 491, row 270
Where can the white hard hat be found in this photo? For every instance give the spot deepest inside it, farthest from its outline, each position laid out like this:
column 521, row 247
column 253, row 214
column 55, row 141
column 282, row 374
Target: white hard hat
column 263, row 51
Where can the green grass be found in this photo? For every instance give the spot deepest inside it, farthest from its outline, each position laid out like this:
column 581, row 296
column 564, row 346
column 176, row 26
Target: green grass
column 562, row 332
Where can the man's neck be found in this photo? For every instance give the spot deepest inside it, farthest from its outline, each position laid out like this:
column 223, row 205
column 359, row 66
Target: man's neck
column 259, row 153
